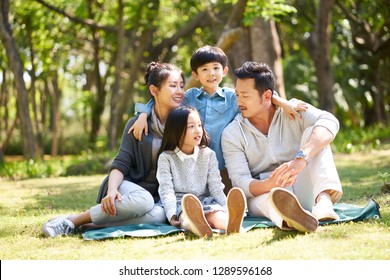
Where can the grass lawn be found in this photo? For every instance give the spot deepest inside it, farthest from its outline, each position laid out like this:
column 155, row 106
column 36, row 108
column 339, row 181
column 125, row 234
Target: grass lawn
column 26, row 205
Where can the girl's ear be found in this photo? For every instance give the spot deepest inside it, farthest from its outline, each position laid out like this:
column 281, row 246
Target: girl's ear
column 153, row 90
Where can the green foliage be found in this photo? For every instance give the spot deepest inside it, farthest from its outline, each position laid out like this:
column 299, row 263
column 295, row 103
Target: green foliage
column 87, row 163
column 359, row 139
column 385, row 177
column 267, row 9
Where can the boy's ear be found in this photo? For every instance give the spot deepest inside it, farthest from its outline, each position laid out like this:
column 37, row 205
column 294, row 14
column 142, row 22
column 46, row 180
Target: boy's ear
column 194, row 75
column 225, row 70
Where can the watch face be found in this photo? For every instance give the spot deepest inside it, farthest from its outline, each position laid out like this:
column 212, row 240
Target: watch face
column 300, row 154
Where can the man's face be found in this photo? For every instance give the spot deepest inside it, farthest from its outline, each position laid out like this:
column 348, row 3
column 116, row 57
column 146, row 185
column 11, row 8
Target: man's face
column 248, row 98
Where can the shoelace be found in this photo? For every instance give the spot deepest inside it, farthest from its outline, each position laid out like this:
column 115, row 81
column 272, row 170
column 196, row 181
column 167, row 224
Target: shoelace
column 62, row 227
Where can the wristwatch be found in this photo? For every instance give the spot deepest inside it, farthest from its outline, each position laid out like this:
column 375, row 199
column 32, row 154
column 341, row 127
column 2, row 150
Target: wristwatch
column 302, row 154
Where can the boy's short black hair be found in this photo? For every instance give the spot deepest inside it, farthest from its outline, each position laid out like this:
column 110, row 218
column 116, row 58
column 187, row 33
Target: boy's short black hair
column 207, row 54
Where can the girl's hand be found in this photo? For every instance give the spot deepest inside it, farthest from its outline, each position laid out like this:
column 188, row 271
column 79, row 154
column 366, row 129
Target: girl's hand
column 139, row 126
column 174, row 222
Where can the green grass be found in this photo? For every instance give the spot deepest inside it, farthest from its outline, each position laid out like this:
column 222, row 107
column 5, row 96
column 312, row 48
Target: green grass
column 26, row 204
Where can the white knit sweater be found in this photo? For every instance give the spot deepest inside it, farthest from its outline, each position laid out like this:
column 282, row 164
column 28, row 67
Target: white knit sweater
column 178, row 174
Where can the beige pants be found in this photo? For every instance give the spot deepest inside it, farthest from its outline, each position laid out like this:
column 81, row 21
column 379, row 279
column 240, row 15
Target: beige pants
column 319, row 175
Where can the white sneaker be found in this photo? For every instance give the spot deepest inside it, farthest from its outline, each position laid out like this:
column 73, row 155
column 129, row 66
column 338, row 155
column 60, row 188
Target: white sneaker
column 58, row 226
column 323, row 211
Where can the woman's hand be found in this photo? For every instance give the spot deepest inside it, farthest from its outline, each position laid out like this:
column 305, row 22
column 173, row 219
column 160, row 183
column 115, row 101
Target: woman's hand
column 139, row 126
column 108, row 202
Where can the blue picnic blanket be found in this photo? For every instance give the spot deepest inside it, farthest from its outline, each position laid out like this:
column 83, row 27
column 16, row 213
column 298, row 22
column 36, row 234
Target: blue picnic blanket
column 346, row 212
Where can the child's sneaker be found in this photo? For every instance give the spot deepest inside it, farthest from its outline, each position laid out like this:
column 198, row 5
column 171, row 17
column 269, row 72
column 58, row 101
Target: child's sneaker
column 193, row 209
column 236, row 204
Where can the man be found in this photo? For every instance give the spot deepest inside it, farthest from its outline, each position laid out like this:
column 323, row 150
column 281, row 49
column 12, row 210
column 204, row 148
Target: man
column 285, row 167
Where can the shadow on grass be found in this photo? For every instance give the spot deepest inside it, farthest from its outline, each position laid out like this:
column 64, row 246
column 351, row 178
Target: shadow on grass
column 65, row 197
column 279, row 235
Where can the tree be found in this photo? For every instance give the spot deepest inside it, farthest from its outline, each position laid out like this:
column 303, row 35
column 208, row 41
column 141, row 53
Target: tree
column 369, row 27
column 318, row 45
column 16, row 66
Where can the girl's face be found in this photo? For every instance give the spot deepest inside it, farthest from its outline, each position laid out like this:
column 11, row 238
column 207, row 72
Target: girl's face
column 171, row 93
column 193, row 134
column 210, row 76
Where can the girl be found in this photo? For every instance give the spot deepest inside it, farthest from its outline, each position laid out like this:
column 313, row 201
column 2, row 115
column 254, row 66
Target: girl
column 191, row 189
column 129, row 194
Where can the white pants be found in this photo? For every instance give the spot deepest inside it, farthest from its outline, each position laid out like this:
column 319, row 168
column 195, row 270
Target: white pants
column 319, row 175
column 137, row 207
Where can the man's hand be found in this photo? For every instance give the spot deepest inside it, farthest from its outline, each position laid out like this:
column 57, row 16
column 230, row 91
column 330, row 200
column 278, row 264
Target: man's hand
column 286, row 174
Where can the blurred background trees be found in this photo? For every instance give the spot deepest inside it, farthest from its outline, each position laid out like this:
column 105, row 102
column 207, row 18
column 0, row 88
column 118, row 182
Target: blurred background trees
column 71, row 71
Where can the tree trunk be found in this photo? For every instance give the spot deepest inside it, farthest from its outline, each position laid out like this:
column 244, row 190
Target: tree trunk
column 115, row 95
column 318, row 45
column 16, row 66
column 33, row 92
column 264, row 46
column 269, row 50
column 56, row 124
column 100, row 98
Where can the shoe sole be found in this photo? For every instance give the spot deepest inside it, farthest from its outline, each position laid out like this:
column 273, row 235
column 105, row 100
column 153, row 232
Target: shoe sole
column 288, row 207
column 236, row 204
column 193, row 209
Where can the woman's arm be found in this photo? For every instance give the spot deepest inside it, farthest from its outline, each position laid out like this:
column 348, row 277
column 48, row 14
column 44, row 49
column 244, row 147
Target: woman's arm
column 108, row 202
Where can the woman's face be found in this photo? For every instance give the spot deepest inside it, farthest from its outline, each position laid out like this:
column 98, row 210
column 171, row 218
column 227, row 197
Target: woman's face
column 171, row 93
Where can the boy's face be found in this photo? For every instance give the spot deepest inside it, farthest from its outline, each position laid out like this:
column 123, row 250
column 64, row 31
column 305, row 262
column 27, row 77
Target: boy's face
column 210, row 76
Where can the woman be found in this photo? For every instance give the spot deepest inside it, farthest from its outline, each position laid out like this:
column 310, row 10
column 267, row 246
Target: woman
column 130, row 193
